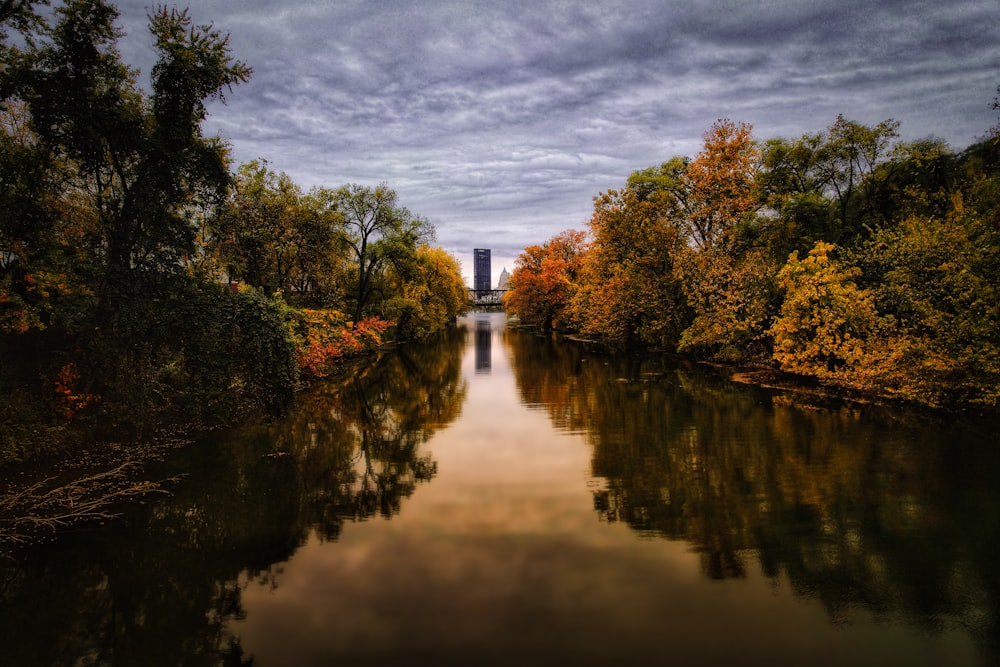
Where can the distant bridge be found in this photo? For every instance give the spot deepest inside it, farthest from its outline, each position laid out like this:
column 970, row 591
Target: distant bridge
column 485, row 297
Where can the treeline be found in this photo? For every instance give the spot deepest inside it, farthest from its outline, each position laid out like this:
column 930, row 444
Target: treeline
column 845, row 256
column 140, row 277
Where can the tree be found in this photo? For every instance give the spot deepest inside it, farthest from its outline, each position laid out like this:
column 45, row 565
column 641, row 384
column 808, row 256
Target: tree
column 44, row 264
column 665, row 183
column 720, row 182
column 935, row 283
column 42, row 250
column 848, row 160
column 20, row 15
column 918, row 178
column 107, row 182
column 273, row 237
column 140, row 162
column 544, row 280
column 825, row 319
column 826, row 186
column 694, row 288
column 796, row 210
column 378, row 234
column 431, row 297
column 995, row 130
column 733, row 298
column 629, row 289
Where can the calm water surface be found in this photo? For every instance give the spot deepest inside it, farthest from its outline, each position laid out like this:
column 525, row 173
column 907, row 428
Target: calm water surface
column 501, row 498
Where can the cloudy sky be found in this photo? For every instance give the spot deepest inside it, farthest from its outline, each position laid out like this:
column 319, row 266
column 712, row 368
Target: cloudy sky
column 499, row 121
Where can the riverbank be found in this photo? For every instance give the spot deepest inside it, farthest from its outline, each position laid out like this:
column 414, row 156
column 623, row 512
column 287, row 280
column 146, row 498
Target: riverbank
column 72, row 485
column 806, row 389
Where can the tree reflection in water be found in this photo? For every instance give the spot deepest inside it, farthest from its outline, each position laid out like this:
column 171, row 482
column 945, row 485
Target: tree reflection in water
column 857, row 509
column 907, row 527
column 349, row 451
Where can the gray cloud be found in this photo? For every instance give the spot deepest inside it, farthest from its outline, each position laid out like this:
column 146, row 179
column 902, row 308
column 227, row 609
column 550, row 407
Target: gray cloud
column 500, row 121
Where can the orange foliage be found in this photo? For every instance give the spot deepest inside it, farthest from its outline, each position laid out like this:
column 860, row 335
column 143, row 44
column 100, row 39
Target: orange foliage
column 71, row 400
column 324, row 337
column 721, row 180
column 544, row 280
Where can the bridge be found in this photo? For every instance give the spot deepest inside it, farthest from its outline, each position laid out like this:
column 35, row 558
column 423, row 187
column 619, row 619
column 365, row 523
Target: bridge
column 485, row 297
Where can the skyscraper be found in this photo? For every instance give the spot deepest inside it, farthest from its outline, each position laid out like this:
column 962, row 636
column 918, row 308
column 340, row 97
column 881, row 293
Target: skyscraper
column 482, row 272
column 504, row 279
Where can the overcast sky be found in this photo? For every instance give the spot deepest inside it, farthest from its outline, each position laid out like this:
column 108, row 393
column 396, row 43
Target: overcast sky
column 500, row 121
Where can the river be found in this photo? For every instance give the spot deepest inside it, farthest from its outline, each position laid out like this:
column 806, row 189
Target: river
column 498, row 497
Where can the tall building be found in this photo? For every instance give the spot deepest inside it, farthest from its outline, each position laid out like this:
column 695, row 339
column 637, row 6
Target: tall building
column 504, row 279
column 481, row 267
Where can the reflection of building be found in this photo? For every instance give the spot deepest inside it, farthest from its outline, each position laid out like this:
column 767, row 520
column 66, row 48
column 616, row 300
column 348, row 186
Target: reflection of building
column 504, row 279
column 481, row 267
column 484, row 346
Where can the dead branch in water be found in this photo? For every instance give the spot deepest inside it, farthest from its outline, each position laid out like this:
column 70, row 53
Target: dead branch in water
column 42, row 507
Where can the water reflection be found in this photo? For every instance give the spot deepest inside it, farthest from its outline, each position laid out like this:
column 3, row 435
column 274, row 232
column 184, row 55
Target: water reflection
column 161, row 587
column 889, row 512
column 484, row 345
column 565, row 507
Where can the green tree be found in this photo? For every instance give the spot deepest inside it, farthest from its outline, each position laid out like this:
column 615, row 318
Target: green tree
column 826, row 186
column 274, row 237
column 107, row 182
column 917, row 179
column 796, row 210
column 378, row 234
column 847, row 163
column 141, row 162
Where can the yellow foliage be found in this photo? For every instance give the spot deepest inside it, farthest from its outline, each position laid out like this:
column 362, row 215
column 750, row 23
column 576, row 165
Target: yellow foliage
column 825, row 319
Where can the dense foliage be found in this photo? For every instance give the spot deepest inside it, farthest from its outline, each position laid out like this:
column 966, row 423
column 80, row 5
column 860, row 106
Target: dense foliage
column 844, row 256
column 139, row 277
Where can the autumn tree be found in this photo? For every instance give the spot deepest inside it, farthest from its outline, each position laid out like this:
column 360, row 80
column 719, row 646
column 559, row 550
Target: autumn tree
column 934, row 280
column 825, row 319
column 733, row 297
column 709, row 195
column 429, row 296
column 720, row 182
column 629, row 288
column 726, row 276
column 655, row 241
column 544, row 280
